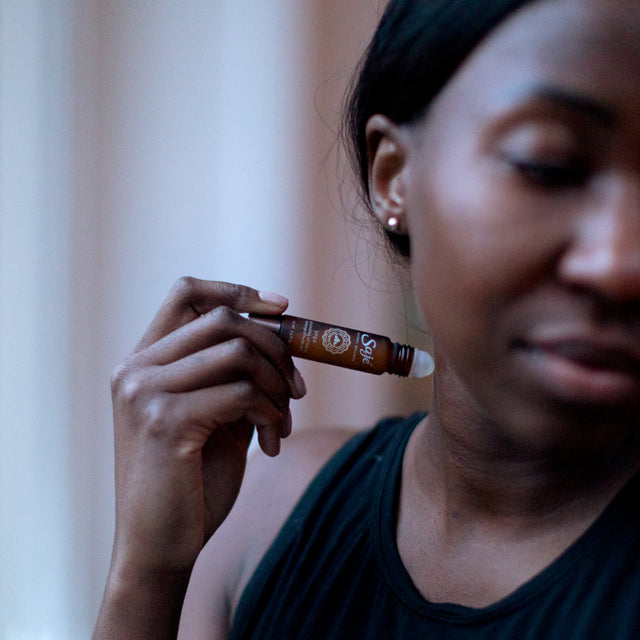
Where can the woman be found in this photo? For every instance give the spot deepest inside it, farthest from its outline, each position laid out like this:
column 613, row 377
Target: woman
column 499, row 144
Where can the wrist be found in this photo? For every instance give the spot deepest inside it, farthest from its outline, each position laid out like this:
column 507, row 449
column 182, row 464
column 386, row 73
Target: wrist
column 141, row 604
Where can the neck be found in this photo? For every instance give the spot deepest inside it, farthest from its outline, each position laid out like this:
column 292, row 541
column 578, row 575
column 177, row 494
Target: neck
column 479, row 469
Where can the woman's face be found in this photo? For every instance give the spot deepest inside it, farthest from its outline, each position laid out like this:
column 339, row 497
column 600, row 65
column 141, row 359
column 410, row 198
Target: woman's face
column 522, row 197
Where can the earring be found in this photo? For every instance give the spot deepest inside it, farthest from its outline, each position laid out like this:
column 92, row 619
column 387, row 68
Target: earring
column 393, row 224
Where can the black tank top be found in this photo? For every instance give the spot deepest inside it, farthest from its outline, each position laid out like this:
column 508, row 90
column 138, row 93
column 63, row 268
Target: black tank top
column 334, row 571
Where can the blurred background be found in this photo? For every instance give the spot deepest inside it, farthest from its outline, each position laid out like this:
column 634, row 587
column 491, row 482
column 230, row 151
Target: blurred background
column 141, row 141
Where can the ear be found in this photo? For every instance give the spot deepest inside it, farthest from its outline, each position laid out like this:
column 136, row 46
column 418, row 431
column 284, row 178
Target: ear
column 387, row 154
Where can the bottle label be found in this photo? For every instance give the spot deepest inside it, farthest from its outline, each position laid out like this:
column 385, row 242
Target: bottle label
column 366, row 351
column 338, row 345
column 336, row 340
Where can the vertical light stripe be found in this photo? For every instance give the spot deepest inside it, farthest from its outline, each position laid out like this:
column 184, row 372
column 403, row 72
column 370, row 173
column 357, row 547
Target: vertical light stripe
column 35, row 554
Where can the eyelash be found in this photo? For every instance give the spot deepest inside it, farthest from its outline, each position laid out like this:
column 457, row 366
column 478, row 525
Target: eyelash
column 550, row 175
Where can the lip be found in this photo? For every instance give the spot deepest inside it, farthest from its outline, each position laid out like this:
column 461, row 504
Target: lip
column 587, row 369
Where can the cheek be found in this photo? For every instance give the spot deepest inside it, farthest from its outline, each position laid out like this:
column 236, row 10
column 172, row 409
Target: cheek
column 457, row 245
column 477, row 249
column 455, row 284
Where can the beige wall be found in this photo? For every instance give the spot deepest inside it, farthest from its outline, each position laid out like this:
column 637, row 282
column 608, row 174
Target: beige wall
column 347, row 280
column 142, row 141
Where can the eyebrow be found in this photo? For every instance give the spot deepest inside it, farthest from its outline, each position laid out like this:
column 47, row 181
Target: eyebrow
column 572, row 101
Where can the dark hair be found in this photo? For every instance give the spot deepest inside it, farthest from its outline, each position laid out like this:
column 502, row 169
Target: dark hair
column 416, row 48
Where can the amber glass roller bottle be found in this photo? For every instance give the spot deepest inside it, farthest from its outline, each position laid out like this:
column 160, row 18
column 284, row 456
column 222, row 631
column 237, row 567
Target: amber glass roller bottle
column 349, row 348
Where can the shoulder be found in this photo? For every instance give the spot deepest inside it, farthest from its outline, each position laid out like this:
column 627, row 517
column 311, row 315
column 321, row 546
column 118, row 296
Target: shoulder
column 270, row 490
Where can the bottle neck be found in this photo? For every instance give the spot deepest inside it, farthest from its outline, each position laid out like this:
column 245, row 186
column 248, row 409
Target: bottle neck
column 401, row 359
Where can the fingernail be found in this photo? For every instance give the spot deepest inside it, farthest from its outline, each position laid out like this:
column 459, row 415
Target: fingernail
column 273, row 298
column 298, row 383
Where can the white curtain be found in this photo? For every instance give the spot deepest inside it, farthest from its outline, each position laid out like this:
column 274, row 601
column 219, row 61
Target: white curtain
column 141, row 141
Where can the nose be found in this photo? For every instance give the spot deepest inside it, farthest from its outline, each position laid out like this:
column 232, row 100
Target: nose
column 604, row 254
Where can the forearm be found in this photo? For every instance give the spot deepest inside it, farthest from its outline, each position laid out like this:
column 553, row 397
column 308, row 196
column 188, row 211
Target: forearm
column 141, row 608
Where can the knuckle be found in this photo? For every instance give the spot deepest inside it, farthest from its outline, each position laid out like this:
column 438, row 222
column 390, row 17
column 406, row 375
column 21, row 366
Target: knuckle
column 185, row 291
column 159, row 423
column 121, row 375
column 242, row 350
column 233, row 295
column 247, row 393
column 130, row 388
column 223, row 315
column 185, row 285
column 243, row 354
column 118, row 375
column 236, row 292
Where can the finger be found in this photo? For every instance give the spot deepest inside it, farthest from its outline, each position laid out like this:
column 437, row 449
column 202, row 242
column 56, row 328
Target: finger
column 269, row 441
column 190, row 298
column 198, row 413
column 236, row 359
column 218, row 327
column 288, row 425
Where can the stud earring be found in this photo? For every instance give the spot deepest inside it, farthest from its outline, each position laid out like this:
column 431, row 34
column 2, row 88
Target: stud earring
column 393, row 224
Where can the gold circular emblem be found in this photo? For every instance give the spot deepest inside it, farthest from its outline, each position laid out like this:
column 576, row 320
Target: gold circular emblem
column 336, row 340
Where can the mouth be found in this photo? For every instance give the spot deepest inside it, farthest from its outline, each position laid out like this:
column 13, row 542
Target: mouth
column 583, row 369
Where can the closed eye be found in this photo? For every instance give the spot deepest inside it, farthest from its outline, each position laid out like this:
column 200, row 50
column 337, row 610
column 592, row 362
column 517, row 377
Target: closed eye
column 551, row 175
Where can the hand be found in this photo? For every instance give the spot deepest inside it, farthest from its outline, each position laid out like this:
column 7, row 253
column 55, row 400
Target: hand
column 185, row 405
